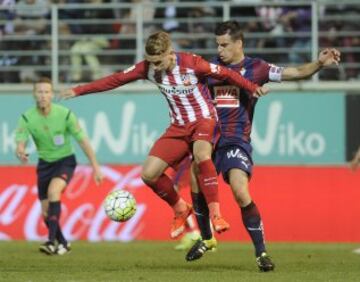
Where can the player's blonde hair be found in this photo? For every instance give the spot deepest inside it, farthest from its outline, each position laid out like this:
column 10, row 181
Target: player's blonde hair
column 158, row 44
column 43, row 79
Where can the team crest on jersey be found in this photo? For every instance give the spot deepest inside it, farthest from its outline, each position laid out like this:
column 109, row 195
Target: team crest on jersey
column 227, row 96
column 242, row 71
column 185, row 78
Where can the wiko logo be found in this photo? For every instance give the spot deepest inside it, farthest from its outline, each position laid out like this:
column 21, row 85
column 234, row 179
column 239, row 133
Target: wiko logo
column 285, row 139
column 236, row 154
column 129, row 136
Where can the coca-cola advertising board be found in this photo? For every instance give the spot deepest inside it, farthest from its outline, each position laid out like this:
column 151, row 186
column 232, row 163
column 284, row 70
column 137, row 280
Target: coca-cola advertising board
column 296, row 203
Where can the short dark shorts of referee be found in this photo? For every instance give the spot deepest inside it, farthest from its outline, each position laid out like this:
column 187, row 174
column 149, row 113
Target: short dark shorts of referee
column 63, row 168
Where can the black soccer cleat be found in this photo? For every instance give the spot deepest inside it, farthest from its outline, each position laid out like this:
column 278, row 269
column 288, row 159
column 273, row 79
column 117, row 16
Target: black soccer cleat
column 200, row 248
column 48, row 248
column 264, row 263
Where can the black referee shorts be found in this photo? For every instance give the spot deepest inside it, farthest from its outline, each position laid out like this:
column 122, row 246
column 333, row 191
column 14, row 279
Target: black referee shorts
column 63, row 168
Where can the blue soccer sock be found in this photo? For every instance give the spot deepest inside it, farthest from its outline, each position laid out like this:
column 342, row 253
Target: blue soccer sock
column 53, row 219
column 253, row 224
column 202, row 215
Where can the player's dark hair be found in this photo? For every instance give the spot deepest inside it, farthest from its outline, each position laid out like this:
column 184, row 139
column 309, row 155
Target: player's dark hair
column 232, row 28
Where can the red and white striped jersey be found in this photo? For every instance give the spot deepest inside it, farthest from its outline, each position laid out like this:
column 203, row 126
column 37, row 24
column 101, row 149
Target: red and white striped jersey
column 184, row 87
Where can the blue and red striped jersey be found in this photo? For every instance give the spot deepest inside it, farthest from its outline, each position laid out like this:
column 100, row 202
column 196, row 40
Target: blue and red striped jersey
column 235, row 106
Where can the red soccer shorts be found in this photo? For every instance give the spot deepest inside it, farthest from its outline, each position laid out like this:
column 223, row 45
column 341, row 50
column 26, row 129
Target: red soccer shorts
column 175, row 144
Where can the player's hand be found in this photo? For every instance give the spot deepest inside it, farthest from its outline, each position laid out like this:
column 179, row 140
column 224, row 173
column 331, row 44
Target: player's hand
column 22, row 156
column 261, row 91
column 98, row 176
column 329, row 56
column 66, row 94
column 354, row 163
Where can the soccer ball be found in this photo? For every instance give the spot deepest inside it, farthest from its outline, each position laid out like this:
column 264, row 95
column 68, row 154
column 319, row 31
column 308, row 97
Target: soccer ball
column 120, row 205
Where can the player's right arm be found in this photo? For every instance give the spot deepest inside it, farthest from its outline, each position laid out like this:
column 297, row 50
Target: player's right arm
column 21, row 138
column 110, row 82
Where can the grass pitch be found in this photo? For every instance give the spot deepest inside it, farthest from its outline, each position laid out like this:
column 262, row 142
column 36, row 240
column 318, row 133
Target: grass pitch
column 158, row 261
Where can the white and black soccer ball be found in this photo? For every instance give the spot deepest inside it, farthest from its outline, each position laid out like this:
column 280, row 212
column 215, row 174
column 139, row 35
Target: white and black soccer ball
column 120, row 205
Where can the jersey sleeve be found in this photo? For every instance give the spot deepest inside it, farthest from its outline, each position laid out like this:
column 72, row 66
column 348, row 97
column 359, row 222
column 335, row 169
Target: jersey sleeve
column 263, row 72
column 204, row 68
column 275, row 73
column 73, row 126
column 115, row 80
column 22, row 132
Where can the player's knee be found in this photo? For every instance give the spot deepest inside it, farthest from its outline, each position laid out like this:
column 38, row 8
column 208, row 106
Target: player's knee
column 148, row 176
column 242, row 197
column 54, row 195
column 202, row 156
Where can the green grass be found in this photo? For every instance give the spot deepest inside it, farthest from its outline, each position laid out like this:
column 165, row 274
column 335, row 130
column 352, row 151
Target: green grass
column 158, row 261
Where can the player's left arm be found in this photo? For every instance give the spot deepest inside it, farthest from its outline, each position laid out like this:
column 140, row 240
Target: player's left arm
column 326, row 58
column 78, row 133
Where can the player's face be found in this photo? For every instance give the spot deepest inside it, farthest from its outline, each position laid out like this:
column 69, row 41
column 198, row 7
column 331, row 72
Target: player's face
column 229, row 50
column 43, row 94
column 165, row 62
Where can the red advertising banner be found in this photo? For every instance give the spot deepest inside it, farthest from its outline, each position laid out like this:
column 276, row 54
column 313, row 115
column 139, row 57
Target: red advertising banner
column 296, row 204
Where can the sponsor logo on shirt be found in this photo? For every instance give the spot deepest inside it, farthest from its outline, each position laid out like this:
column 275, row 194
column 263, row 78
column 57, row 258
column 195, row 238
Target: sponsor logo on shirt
column 176, row 90
column 227, row 96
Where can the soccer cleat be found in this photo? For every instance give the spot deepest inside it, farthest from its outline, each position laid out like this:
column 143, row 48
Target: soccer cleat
column 188, row 240
column 219, row 224
column 264, row 262
column 200, row 248
column 178, row 224
column 63, row 249
column 48, row 248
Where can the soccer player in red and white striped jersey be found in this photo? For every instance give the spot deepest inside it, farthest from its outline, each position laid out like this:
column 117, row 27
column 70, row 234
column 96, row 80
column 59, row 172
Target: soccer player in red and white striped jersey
column 181, row 78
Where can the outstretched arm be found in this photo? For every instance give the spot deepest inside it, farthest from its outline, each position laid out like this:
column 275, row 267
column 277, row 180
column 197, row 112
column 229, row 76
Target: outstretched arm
column 354, row 163
column 327, row 57
column 110, row 82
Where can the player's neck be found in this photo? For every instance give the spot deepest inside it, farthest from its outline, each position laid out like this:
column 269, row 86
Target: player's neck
column 237, row 59
column 44, row 110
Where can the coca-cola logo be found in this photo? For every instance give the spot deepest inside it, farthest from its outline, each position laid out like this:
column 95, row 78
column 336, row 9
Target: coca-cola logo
column 82, row 217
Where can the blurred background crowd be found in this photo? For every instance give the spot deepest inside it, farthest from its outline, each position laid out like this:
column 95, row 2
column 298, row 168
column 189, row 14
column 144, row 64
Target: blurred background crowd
column 92, row 38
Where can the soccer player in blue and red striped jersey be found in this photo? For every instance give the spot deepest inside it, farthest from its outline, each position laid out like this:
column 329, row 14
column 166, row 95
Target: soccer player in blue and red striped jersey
column 181, row 79
column 235, row 107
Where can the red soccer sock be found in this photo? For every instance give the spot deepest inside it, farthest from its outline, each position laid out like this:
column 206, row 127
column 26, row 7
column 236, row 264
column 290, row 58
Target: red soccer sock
column 164, row 188
column 208, row 183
